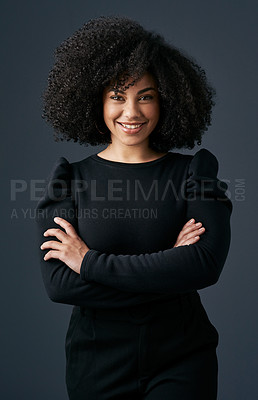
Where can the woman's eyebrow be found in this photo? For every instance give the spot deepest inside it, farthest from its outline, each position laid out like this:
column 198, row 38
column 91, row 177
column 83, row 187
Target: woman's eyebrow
column 140, row 91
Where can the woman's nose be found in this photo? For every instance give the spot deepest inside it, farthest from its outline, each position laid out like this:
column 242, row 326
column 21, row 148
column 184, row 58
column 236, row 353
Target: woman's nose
column 131, row 110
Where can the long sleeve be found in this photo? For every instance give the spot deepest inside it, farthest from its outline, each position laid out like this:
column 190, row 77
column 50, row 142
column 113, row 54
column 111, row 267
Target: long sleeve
column 182, row 268
column 62, row 284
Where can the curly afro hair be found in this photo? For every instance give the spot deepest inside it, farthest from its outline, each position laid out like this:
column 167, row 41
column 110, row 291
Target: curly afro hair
column 111, row 49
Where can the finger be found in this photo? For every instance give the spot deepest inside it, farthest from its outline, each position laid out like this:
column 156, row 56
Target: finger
column 189, row 223
column 189, row 241
column 51, row 244
column 196, row 232
column 52, row 254
column 66, row 225
column 186, row 242
column 192, row 237
column 55, row 232
column 193, row 240
column 190, row 228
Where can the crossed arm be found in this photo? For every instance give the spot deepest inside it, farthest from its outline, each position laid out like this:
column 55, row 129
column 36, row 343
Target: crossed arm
column 75, row 274
column 177, row 269
column 71, row 249
column 62, row 261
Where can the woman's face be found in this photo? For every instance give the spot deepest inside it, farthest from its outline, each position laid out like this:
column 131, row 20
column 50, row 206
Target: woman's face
column 132, row 115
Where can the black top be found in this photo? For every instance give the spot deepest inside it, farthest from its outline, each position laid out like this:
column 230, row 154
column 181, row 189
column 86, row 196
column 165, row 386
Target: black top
column 129, row 215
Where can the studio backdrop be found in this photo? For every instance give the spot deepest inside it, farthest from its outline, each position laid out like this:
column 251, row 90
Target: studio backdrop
column 222, row 37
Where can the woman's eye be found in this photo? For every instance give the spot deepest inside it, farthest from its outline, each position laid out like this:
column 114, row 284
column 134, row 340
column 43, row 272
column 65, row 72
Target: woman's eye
column 148, row 97
column 116, row 98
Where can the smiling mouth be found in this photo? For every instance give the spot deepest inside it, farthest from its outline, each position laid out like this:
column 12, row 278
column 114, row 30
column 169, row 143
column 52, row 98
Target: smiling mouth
column 131, row 126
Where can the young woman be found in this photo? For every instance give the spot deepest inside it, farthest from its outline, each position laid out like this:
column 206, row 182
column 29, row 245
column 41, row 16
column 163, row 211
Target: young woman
column 140, row 228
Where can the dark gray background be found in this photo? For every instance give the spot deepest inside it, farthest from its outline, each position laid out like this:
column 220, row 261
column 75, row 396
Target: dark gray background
column 222, row 36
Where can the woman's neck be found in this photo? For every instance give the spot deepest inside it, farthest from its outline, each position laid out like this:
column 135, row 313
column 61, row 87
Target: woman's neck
column 131, row 155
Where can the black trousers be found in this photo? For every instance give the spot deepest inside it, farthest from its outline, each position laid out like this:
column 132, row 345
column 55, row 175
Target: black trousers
column 147, row 352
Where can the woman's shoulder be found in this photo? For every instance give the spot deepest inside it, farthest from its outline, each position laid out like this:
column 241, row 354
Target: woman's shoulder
column 60, row 169
column 63, row 165
column 204, row 162
column 202, row 158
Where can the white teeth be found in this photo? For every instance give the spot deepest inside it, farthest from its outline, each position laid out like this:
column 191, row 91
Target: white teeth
column 131, row 126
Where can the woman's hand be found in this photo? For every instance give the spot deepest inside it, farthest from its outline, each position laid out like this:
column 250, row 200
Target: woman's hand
column 190, row 233
column 71, row 250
